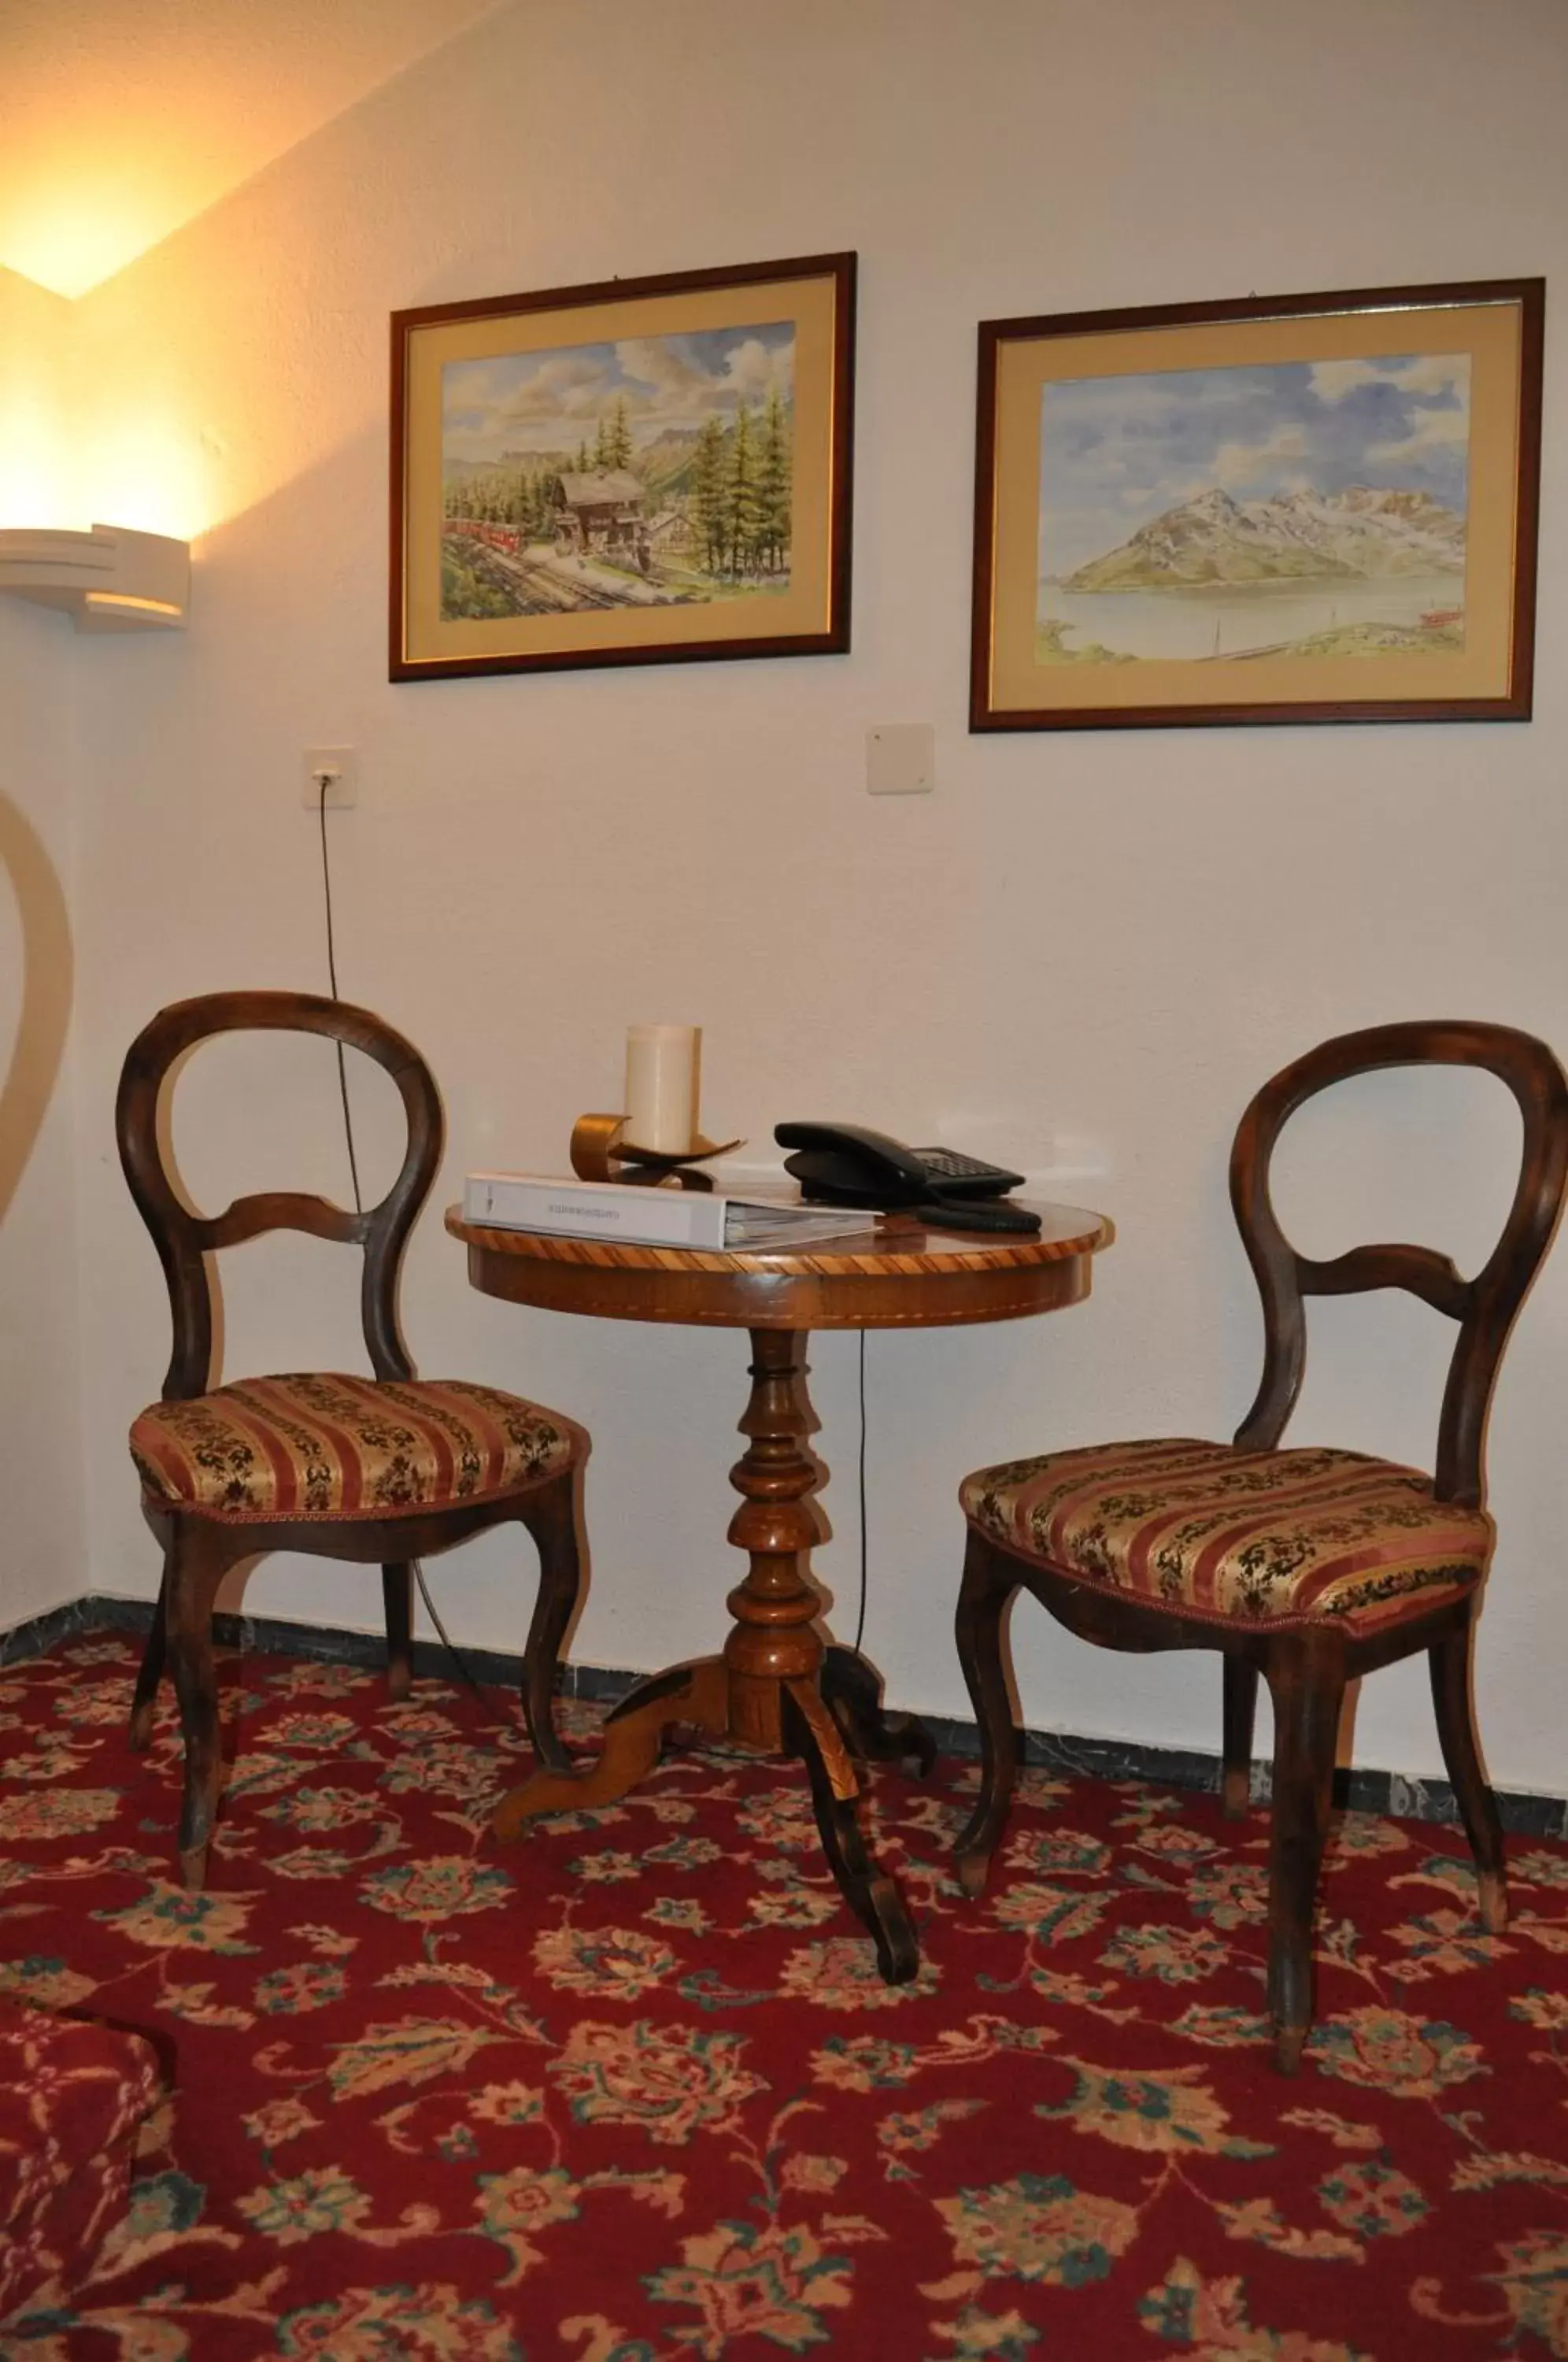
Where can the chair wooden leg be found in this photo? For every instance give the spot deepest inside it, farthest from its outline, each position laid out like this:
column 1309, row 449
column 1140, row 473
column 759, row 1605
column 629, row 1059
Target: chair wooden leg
column 1450, row 1665
column 1306, row 1681
column 982, row 1603
column 397, row 1595
column 552, row 1518
column 198, row 1559
column 1241, row 1707
column 144, row 1705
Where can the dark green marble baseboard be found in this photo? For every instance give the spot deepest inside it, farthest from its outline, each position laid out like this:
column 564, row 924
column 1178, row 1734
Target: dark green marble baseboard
column 1524, row 1813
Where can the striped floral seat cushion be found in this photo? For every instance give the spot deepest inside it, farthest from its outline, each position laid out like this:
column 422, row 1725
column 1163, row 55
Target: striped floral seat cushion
column 1255, row 1535
column 330, row 1446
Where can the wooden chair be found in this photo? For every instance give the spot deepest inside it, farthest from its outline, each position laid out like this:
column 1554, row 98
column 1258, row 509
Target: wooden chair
column 379, row 1471
column 1309, row 1567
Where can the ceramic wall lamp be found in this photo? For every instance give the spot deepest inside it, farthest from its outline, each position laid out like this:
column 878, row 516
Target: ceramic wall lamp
column 110, row 579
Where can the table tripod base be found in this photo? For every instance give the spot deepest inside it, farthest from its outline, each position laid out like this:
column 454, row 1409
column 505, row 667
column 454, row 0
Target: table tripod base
column 698, row 1697
column 775, row 1689
column 869, row 1891
column 872, row 1735
column 696, row 1694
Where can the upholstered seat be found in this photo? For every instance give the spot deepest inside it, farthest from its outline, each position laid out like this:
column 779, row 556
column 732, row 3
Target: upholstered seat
column 1259, row 1535
column 326, row 1445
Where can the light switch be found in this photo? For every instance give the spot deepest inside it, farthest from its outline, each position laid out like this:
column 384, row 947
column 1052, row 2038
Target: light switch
column 900, row 758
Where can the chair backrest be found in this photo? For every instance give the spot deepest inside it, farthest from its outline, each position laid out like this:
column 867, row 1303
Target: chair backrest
column 1483, row 1306
column 183, row 1239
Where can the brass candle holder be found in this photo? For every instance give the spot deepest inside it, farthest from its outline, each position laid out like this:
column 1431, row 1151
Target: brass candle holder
column 599, row 1151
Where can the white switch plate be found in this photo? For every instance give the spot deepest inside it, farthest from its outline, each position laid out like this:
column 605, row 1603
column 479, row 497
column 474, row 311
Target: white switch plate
column 900, row 758
column 342, row 787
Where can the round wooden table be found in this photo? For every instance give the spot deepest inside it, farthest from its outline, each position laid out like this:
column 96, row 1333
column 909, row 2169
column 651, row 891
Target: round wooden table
column 778, row 1686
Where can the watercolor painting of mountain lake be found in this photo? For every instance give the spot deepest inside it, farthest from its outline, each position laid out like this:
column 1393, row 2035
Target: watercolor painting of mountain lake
column 1289, row 508
column 635, row 471
column 1301, row 508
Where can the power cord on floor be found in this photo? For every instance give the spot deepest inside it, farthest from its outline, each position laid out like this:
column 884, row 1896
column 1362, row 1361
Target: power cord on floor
column 324, row 780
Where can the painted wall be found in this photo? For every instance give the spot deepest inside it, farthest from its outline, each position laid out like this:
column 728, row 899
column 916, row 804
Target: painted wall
column 1081, row 954
column 42, row 1552
column 123, row 123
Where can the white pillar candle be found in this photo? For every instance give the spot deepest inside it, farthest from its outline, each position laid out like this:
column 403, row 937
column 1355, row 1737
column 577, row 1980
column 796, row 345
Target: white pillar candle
column 661, row 1086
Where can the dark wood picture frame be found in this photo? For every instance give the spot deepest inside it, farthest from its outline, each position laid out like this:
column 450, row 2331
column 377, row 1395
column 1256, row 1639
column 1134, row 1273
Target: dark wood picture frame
column 1334, row 674
column 663, row 309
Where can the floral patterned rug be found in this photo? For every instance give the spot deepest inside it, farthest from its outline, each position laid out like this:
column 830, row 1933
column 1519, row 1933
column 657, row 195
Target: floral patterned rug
column 632, row 2089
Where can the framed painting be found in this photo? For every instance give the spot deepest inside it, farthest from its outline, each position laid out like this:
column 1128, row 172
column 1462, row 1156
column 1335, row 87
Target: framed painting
column 640, row 471
column 1296, row 508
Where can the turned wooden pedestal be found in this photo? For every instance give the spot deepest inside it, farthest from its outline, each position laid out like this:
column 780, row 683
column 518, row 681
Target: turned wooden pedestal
column 778, row 1687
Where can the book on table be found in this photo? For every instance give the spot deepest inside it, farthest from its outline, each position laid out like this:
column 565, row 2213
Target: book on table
column 639, row 1216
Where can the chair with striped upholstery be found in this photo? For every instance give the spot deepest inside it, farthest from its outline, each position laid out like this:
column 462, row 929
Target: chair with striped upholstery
column 378, row 1471
column 1310, row 1567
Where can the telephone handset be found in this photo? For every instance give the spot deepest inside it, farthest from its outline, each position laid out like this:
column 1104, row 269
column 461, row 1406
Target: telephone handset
column 845, row 1165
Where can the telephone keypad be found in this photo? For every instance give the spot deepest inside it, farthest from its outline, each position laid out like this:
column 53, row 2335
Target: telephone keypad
column 947, row 1167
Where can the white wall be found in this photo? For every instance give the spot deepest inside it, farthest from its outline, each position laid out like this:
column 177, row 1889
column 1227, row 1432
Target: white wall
column 42, row 1536
column 1081, row 954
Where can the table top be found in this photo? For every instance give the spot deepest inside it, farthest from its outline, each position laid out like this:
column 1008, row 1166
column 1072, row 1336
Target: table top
column 905, row 1275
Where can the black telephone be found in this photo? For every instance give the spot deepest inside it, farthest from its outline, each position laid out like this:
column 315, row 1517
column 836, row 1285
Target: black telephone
column 844, row 1164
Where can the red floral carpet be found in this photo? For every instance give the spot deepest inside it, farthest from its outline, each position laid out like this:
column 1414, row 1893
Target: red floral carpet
column 632, row 2089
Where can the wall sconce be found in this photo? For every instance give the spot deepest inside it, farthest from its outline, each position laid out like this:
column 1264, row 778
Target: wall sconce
column 107, row 580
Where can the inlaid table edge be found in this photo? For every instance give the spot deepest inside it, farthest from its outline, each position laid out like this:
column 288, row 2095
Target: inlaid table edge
column 1069, row 1231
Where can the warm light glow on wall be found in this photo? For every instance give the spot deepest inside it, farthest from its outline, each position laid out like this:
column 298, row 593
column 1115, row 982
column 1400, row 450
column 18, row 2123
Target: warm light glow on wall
column 145, row 473
column 81, row 441
column 124, row 123
column 70, row 235
column 35, row 486
column 62, row 468
column 142, row 473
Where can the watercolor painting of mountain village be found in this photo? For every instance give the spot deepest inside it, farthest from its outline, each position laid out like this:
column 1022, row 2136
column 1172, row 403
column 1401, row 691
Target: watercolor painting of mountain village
column 1303, row 509
column 649, row 472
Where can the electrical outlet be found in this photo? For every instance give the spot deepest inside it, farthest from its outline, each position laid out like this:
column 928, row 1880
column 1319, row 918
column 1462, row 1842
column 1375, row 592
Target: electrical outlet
column 339, row 766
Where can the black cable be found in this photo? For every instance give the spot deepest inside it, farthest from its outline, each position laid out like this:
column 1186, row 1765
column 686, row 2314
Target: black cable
column 860, row 1621
column 464, row 1668
column 323, row 781
column 461, row 1662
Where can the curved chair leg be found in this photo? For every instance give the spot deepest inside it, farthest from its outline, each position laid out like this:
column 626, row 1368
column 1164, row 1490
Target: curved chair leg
column 144, row 1705
column 198, row 1559
column 1306, row 1681
column 1241, row 1709
column 1450, row 1665
column 982, row 1602
column 397, row 1595
column 551, row 1517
